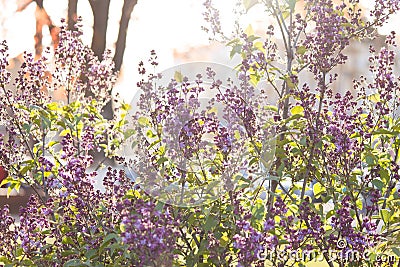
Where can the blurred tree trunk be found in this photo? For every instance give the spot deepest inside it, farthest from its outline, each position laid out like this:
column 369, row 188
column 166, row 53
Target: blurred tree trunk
column 39, row 3
column 123, row 29
column 100, row 9
column 22, row 4
column 72, row 14
column 42, row 19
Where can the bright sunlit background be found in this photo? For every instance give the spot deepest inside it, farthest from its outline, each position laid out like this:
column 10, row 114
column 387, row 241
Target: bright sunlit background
column 171, row 27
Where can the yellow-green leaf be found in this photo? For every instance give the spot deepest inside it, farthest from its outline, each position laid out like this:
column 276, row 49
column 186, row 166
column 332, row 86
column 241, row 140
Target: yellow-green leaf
column 301, row 50
column 318, row 189
column 143, row 121
column 297, row 110
column 224, row 240
column 249, row 3
column 178, row 76
column 249, row 30
column 385, row 215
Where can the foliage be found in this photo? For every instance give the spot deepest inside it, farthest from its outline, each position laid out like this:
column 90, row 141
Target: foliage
column 330, row 189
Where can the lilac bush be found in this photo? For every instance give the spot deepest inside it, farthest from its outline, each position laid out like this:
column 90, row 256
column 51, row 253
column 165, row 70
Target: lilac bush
column 324, row 190
column 178, row 165
column 50, row 146
column 341, row 147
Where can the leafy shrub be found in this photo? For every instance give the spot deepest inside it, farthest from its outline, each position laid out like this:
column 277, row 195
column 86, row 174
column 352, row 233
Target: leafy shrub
column 344, row 148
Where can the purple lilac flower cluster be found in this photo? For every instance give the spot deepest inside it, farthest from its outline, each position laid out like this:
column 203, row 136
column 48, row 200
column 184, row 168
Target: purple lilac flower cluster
column 251, row 243
column 80, row 74
column 77, row 217
column 357, row 240
column 212, row 18
column 195, row 145
column 8, row 233
column 150, row 233
column 332, row 34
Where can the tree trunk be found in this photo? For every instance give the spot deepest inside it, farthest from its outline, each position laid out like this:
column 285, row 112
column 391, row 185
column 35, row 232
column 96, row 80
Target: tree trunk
column 100, row 9
column 39, row 3
column 123, row 29
column 42, row 18
column 72, row 14
column 22, row 4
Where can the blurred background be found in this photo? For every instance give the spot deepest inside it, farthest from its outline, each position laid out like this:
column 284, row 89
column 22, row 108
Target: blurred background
column 132, row 28
column 173, row 28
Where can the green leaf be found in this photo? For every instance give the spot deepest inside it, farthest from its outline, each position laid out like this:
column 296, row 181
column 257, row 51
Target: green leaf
column 254, row 79
column 254, row 160
column 303, row 141
column 211, row 222
column 359, row 204
column 153, row 144
column 234, row 41
column 161, row 160
column 91, row 253
column 125, row 106
column 375, row 98
column 289, row 82
column 111, row 236
column 52, row 106
column 250, row 32
column 236, row 134
column 224, row 240
column 292, row 4
column 396, row 251
column 74, row 263
column 128, row 133
column 285, row 14
column 6, row 181
column 258, row 210
column 385, row 215
column 150, row 134
column 249, row 4
column 64, row 132
column 330, row 214
column 272, row 108
column 370, row 160
column 236, row 49
column 301, row 50
column 384, row 132
column 3, row 260
column 178, row 76
column 143, row 121
column 68, row 240
column 107, row 241
column 384, row 174
column 259, row 46
column 318, row 189
column 378, row 184
column 297, row 110
column 66, row 253
column 52, row 143
column 26, row 262
column 159, row 206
